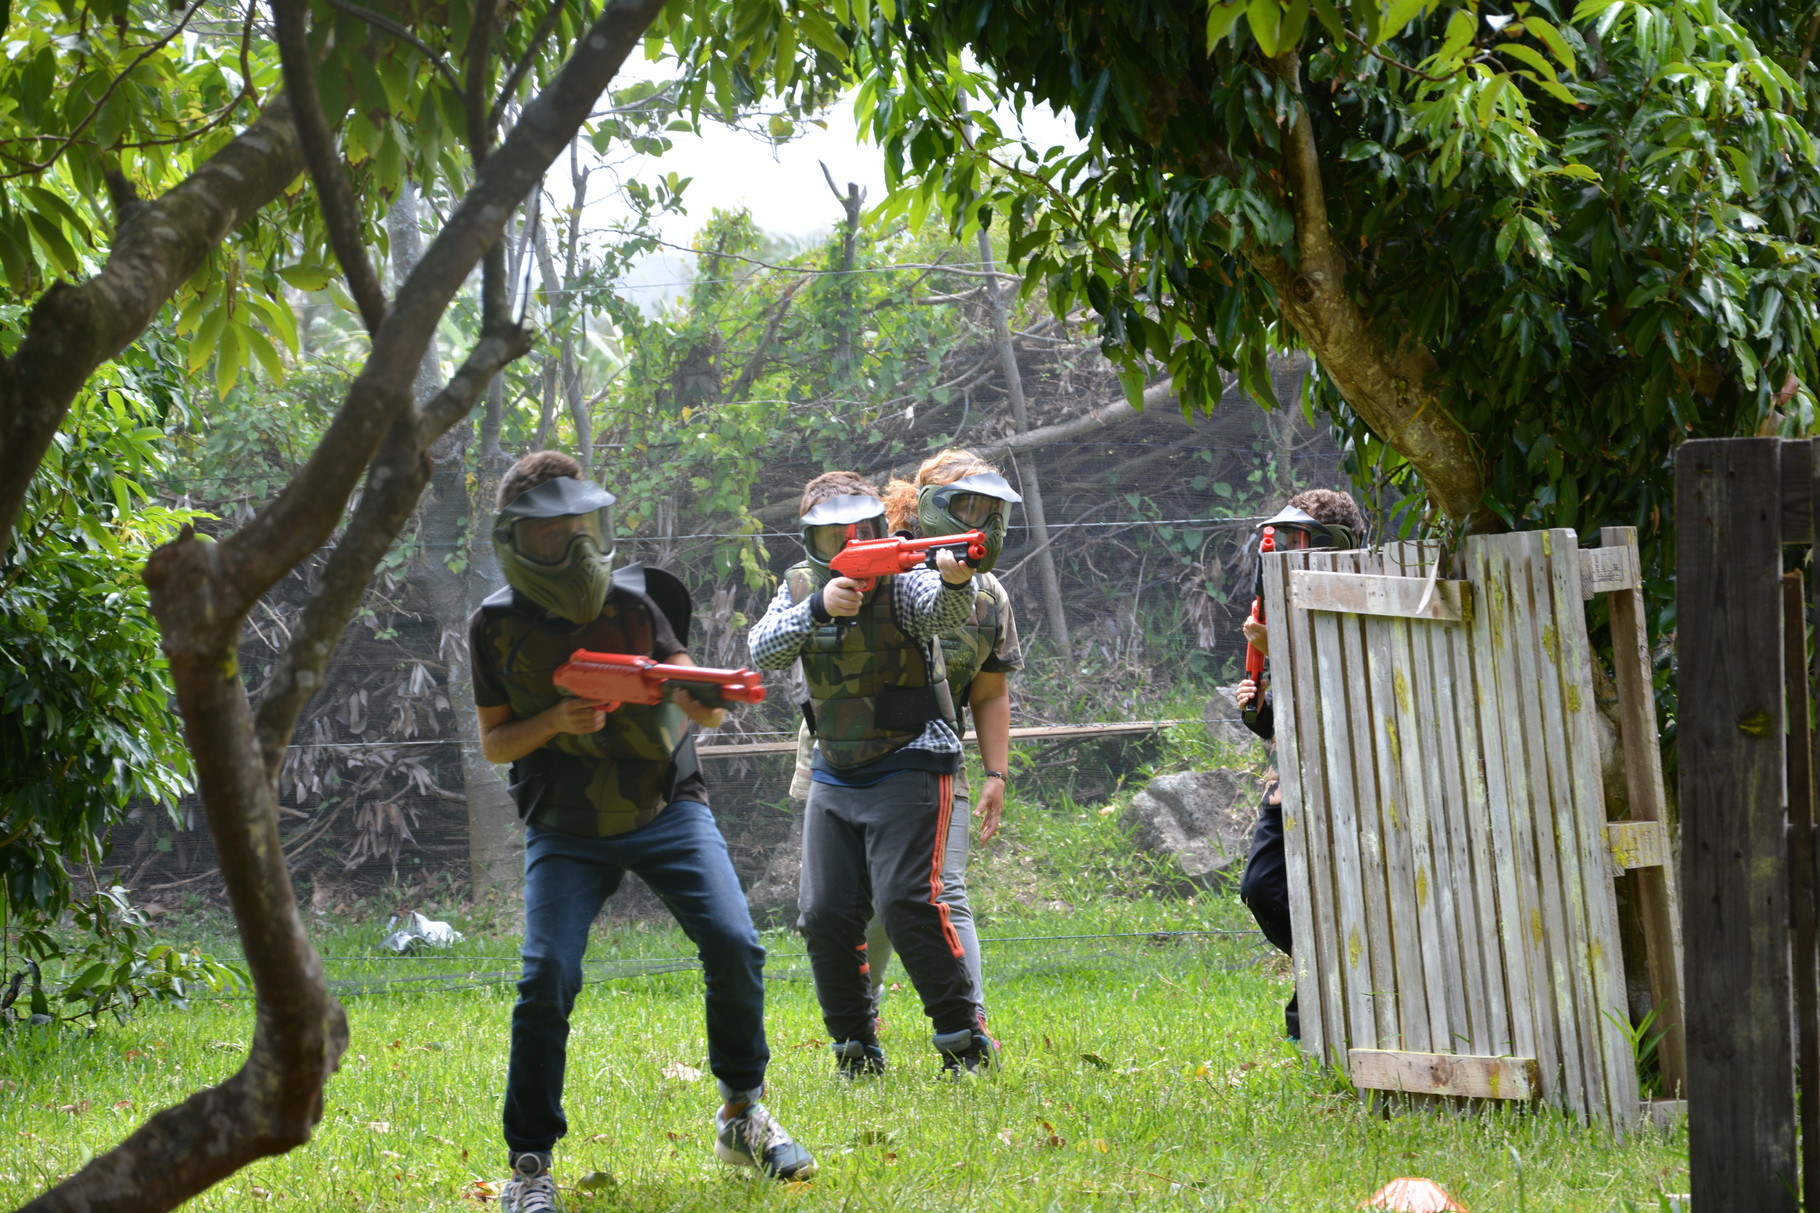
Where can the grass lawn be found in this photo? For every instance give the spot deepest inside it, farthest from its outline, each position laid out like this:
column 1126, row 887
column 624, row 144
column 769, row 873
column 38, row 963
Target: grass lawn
column 1139, row 1071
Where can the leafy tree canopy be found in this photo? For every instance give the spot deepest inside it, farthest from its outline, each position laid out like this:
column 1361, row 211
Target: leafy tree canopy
column 1530, row 247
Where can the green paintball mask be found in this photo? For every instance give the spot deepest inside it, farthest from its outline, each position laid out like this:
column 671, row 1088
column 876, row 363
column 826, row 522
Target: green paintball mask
column 828, row 526
column 555, row 545
column 972, row 503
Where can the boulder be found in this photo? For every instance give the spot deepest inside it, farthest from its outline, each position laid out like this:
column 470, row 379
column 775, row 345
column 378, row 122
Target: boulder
column 1200, row 819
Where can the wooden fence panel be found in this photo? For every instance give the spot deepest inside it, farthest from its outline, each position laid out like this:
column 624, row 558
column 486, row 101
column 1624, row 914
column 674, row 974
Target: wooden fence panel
column 1442, row 778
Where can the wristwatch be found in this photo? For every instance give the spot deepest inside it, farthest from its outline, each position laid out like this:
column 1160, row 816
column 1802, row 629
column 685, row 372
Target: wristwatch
column 999, row 775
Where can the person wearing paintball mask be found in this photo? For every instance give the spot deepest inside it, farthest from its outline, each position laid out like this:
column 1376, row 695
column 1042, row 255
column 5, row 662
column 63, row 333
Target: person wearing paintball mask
column 604, row 791
column 881, row 791
column 1317, row 518
column 954, row 491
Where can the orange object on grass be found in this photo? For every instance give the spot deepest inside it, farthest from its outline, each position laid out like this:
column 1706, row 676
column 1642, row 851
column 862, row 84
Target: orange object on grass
column 1414, row 1196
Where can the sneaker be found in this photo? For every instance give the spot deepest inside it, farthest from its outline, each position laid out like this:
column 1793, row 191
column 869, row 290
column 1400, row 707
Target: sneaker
column 857, row 1059
column 968, row 1051
column 530, row 1190
column 755, row 1139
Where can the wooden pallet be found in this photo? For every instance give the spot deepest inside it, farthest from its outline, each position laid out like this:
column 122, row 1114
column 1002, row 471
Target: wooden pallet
column 1450, row 863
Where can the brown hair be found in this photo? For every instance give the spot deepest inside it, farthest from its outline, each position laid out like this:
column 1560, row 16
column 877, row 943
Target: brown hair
column 1332, row 507
column 943, row 467
column 539, row 467
column 835, row 484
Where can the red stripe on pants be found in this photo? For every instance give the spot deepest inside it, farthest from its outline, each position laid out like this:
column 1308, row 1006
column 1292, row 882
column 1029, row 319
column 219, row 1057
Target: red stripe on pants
column 944, row 795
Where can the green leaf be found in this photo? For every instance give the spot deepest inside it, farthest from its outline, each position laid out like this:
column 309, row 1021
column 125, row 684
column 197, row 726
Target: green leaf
column 817, row 29
column 1221, row 17
column 202, row 346
column 304, row 278
column 1400, row 14
column 1524, row 54
column 1265, row 18
column 1550, row 37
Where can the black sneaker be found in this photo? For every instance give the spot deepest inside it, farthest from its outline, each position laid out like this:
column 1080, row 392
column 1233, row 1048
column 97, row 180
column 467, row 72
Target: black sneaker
column 530, row 1190
column 755, row 1139
column 968, row 1051
column 857, row 1059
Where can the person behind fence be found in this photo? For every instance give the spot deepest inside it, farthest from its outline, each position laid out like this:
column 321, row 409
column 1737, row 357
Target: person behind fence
column 1317, row 518
column 881, row 793
column 605, row 791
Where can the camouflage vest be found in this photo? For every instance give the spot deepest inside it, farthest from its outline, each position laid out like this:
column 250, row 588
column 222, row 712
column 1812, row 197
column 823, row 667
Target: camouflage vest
column 871, row 686
column 965, row 649
column 593, row 784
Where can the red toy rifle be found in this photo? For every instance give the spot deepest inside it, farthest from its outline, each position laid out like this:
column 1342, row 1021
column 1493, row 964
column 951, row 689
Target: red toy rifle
column 866, row 560
column 617, row 678
column 1254, row 656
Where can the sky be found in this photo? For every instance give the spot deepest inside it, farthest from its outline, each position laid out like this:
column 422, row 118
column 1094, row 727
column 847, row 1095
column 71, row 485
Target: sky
column 781, row 184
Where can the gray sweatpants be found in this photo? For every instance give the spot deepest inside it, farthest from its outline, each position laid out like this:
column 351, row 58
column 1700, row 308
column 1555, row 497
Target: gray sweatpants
column 954, row 894
column 886, row 847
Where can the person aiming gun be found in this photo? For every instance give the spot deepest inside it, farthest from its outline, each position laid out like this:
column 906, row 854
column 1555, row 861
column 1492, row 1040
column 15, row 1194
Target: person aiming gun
column 887, row 746
column 604, row 793
column 1317, row 518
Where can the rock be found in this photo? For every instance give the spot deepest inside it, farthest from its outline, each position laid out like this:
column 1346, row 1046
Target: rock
column 1200, row 819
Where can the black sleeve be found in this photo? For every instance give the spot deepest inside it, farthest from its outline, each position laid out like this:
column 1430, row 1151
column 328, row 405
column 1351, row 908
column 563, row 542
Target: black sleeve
column 664, row 644
column 489, row 683
column 1265, row 725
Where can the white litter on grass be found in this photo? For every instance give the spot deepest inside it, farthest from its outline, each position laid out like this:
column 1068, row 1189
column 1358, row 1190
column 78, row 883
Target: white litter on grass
column 419, row 932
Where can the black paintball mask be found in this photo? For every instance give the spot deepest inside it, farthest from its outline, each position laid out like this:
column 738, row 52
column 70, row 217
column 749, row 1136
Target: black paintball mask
column 827, row 527
column 555, row 546
column 1298, row 530
column 973, row 503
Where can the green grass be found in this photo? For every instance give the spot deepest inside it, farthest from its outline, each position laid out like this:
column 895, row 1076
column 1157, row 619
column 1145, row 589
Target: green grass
column 1139, row 1071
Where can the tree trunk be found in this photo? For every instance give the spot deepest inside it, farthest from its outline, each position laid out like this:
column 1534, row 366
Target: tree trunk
column 495, row 849
column 201, row 592
column 1029, row 478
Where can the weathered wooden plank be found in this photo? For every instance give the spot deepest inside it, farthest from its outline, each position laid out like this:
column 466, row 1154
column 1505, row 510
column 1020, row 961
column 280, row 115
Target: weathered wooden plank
column 1603, row 570
column 1297, row 708
column 1512, row 687
column 1503, row 782
column 1658, row 903
column 1803, row 972
column 1402, row 924
column 1728, row 564
column 1797, row 470
column 1562, row 946
column 1368, row 798
column 1637, row 844
column 1378, row 594
column 1351, row 924
column 1468, row 889
column 1465, row 1075
column 1582, row 838
column 1408, row 736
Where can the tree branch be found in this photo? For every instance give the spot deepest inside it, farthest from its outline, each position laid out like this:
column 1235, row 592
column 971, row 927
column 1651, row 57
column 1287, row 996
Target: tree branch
column 393, row 486
column 386, row 25
column 334, row 195
column 1388, row 386
column 26, row 169
column 305, row 514
column 756, row 362
column 74, row 329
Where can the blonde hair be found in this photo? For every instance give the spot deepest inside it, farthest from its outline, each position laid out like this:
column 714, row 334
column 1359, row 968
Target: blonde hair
column 943, row 467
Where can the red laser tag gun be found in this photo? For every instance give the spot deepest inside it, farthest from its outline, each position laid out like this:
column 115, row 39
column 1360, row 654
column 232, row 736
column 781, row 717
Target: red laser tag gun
column 1254, row 657
column 617, row 678
column 866, row 560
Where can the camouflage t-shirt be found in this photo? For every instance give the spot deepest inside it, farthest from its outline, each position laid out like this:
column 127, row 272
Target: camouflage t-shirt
column 593, row 784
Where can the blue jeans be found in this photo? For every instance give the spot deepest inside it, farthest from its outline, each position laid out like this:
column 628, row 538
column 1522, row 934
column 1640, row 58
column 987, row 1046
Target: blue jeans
column 683, row 858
